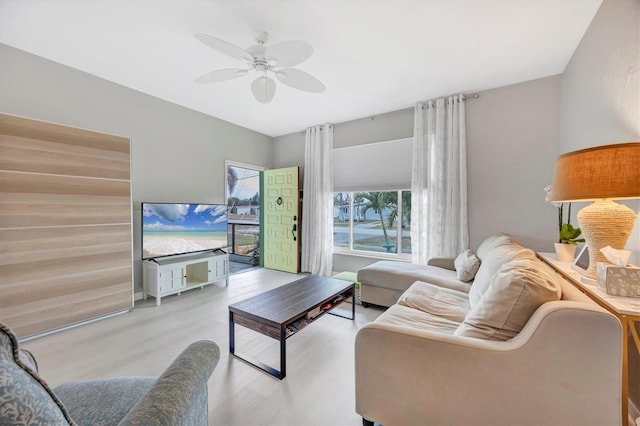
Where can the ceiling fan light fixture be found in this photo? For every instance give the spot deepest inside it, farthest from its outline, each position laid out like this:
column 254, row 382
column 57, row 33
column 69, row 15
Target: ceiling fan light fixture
column 263, row 89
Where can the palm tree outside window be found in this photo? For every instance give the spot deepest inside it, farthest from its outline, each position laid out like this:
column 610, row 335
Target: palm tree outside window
column 373, row 221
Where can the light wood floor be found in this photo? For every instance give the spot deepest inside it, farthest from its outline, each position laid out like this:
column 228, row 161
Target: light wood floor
column 318, row 389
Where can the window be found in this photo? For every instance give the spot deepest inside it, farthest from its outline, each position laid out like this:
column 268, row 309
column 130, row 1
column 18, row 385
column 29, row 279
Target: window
column 375, row 222
column 243, row 200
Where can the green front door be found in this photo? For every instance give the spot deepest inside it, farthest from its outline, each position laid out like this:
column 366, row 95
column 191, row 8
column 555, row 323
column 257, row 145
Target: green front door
column 281, row 220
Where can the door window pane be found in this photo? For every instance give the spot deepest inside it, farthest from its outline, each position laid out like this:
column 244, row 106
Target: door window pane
column 243, row 199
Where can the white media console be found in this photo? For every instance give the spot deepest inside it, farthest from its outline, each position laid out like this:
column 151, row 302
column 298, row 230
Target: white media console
column 173, row 275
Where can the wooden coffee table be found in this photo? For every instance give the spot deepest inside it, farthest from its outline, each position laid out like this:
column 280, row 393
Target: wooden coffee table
column 282, row 312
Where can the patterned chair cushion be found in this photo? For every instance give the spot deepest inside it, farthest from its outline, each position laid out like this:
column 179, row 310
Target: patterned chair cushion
column 103, row 402
column 25, row 399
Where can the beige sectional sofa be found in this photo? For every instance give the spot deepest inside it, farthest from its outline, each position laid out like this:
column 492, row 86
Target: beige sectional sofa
column 517, row 345
column 383, row 282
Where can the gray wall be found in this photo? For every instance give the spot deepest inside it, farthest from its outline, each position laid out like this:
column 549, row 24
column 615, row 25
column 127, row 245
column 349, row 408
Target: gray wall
column 177, row 154
column 512, row 141
column 513, row 134
column 601, row 83
column 601, row 88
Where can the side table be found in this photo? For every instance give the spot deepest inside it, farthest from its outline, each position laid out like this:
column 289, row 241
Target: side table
column 626, row 309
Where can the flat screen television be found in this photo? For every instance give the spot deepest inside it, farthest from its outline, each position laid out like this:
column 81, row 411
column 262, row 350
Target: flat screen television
column 170, row 229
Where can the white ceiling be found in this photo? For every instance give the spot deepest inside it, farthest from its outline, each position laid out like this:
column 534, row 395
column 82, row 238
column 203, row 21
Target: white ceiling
column 374, row 56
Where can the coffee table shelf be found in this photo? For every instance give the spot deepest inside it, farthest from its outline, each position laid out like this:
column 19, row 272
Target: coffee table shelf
column 300, row 323
column 282, row 312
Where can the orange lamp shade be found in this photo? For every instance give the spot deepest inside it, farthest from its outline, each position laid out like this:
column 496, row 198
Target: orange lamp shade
column 603, row 172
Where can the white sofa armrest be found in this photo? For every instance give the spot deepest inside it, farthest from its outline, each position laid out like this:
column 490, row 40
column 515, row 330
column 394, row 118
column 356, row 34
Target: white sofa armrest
column 442, row 262
column 562, row 368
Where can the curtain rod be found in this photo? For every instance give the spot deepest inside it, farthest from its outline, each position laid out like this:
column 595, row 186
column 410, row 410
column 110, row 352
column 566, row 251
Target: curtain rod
column 466, row 98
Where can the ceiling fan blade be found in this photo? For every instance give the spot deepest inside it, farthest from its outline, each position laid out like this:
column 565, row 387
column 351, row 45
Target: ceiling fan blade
column 225, row 47
column 221, row 75
column 289, row 53
column 300, row 80
column 263, row 88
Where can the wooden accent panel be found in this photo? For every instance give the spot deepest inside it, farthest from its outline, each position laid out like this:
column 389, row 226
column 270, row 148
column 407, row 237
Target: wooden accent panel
column 52, row 200
column 31, row 155
column 76, row 309
column 39, row 130
column 62, row 251
column 65, row 225
column 56, row 287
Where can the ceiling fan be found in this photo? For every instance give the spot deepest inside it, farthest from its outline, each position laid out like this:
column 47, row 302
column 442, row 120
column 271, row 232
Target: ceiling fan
column 264, row 60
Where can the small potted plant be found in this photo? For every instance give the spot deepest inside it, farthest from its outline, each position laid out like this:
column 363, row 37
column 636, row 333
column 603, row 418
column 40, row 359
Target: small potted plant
column 567, row 234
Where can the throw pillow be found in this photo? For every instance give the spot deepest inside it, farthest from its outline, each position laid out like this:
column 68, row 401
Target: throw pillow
column 490, row 264
column 494, row 241
column 519, row 288
column 467, row 264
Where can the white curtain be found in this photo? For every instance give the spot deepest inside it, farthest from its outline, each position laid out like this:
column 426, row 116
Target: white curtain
column 317, row 201
column 439, row 180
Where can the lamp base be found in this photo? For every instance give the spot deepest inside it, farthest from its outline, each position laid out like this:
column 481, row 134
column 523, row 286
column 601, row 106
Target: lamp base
column 604, row 223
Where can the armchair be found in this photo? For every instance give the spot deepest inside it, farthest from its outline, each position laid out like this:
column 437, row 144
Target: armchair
column 177, row 397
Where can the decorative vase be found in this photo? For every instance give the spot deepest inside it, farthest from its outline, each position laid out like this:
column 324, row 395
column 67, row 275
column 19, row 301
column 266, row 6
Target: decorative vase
column 565, row 252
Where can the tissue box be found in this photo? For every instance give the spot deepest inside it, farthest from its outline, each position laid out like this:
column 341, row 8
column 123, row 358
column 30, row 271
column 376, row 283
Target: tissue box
column 619, row 280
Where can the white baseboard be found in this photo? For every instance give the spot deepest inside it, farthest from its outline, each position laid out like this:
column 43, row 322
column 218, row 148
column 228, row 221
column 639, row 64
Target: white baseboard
column 138, row 296
column 74, row 325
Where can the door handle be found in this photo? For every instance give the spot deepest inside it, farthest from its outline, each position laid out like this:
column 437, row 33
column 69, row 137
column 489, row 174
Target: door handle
column 293, row 231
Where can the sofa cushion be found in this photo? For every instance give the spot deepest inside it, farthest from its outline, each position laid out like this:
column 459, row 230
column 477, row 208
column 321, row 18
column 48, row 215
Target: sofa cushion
column 416, row 319
column 467, row 264
column 490, row 264
column 442, row 262
column 105, row 401
column 432, row 299
column 494, row 241
column 516, row 291
column 400, row 275
column 24, row 397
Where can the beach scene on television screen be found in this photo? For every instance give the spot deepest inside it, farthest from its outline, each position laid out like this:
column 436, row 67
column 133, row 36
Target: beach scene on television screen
column 169, row 229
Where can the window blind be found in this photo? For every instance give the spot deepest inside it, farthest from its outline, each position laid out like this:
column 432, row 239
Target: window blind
column 374, row 166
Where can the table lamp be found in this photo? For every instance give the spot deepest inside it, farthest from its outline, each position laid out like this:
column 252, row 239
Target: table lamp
column 601, row 174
